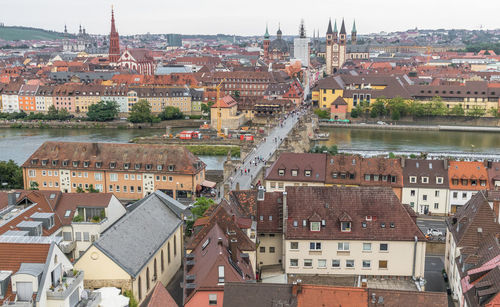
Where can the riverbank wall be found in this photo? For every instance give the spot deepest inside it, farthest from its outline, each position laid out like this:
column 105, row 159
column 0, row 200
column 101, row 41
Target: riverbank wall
column 177, row 123
column 411, row 127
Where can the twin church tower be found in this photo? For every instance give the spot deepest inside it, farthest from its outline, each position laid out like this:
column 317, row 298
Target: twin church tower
column 336, row 46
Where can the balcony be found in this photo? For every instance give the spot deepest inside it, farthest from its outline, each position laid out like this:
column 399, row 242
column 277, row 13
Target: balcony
column 66, row 287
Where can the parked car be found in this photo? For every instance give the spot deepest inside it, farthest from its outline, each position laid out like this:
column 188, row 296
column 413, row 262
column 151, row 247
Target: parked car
column 434, row 232
column 381, row 123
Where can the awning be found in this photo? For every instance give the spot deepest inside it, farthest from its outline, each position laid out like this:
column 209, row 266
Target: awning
column 208, row 184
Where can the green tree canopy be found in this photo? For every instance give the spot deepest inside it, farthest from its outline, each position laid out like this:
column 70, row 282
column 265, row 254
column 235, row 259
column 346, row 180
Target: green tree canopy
column 141, row 112
column 476, row 111
column 11, row 175
column 378, row 108
column 207, row 107
column 170, row 113
column 103, row 111
column 201, row 205
column 457, row 110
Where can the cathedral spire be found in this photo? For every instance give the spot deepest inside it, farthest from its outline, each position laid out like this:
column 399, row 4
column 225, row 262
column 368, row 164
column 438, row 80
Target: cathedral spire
column 114, row 41
column 65, row 29
column 342, row 27
column 266, row 36
column 335, row 27
column 354, row 27
column 329, row 30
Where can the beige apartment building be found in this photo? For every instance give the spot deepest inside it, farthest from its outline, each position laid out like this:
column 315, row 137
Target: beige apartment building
column 129, row 171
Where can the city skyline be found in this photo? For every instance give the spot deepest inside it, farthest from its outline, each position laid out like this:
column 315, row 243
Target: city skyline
column 247, row 21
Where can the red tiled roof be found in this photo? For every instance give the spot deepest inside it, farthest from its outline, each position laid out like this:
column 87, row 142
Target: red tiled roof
column 160, row 297
column 330, row 203
column 226, row 102
column 467, row 170
column 316, row 295
column 12, row 255
column 300, row 162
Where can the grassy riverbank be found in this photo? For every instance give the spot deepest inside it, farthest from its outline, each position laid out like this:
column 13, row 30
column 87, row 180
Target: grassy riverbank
column 213, row 150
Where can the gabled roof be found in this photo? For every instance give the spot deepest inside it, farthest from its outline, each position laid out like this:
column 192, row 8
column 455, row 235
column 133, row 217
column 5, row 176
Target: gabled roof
column 160, row 297
column 144, row 231
column 466, row 170
column 425, row 168
column 388, row 218
column 472, row 222
column 258, row 294
column 227, row 222
column 339, row 101
column 226, row 102
column 315, row 162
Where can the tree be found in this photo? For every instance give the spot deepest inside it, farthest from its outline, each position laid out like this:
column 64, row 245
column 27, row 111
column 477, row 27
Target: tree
column 80, row 190
column 140, row 112
column 322, row 114
column 63, row 114
column 207, row 107
column 416, row 108
column 52, row 113
column 11, row 175
column 397, row 107
column 103, row 111
column 437, row 107
column 91, row 189
column 457, row 110
column 378, row 108
column 476, row 111
column 495, row 112
column 200, row 206
column 170, row 113
column 34, row 185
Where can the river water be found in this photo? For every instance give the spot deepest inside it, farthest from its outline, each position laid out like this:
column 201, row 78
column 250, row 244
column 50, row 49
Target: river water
column 19, row 144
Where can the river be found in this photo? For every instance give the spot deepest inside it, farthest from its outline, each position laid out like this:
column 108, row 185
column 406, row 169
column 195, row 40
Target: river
column 19, row 144
column 413, row 140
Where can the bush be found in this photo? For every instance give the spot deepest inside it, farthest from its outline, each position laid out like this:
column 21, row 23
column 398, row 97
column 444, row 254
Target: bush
column 354, row 113
column 130, row 295
column 170, row 113
column 322, row 114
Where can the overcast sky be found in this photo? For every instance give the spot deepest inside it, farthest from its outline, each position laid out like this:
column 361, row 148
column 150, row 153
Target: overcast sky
column 249, row 17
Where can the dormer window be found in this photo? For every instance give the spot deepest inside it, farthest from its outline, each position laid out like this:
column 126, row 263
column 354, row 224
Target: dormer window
column 137, row 166
column 34, row 161
column 345, row 226
column 439, row 180
column 307, row 173
column 159, row 167
column 54, row 162
column 281, row 172
column 86, row 163
column 464, row 181
column 112, row 164
column 75, row 163
column 44, row 162
column 315, row 226
column 98, row 164
column 126, row 165
column 413, row 179
column 294, row 173
column 171, row 168
column 425, row 179
column 148, row 166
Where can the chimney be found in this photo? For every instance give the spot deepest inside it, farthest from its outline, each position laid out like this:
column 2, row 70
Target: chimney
column 233, row 247
column 11, row 198
column 445, row 163
column 261, row 193
column 403, row 161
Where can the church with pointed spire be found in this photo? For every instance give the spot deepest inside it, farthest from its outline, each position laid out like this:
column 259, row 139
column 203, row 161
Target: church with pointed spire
column 277, row 49
column 114, row 41
column 338, row 51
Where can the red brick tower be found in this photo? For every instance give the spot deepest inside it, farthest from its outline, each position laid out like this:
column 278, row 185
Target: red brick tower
column 266, row 44
column 114, row 41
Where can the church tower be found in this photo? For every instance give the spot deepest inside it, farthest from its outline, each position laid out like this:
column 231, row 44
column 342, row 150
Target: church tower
column 114, row 41
column 329, row 48
column 354, row 37
column 266, row 44
column 342, row 46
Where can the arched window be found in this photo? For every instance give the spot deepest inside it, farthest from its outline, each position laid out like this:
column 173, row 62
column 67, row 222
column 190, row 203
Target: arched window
column 139, row 288
column 155, row 276
column 162, row 261
column 175, row 246
column 147, row 279
column 168, row 252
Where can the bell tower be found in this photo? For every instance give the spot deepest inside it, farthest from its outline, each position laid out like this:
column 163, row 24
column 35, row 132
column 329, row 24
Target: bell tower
column 266, row 44
column 114, row 41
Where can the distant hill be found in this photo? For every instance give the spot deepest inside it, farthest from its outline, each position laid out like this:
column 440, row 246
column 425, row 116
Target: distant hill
column 24, row 33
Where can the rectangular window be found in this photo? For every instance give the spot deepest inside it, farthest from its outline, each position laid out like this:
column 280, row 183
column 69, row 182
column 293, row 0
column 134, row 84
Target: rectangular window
column 125, row 188
column 383, row 247
column 321, row 263
column 336, row 263
column 221, row 274
column 425, row 179
column 412, row 193
column 439, row 180
column 125, row 176
column 212, row 299
column 308, row 263
column 78, row 236
column 464, row 195
column 436, row 193
column 436, row 205
column 349, row 263
column 86, row 237
column 262, row 249
column 294, row 245
column 424, row 197
column 343, row 246
column 44, row 173
column 367, row 247
column 117, row 188
column 315, row 246
column 367, row 264
column 98, row 176
column 315, row 226
column 32, row 173
column 294, row 262
column 367, row 177
column 455, row 194
column 110, row 188
column 272, row 249
column 113, row 177
column 382, row 264
column 345, row 226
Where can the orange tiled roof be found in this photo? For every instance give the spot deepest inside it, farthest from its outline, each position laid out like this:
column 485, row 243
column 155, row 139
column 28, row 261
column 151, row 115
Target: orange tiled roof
column 467, row 170
column 315, row 295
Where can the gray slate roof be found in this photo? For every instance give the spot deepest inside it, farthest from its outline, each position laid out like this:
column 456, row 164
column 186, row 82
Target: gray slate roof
column 137, row 236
